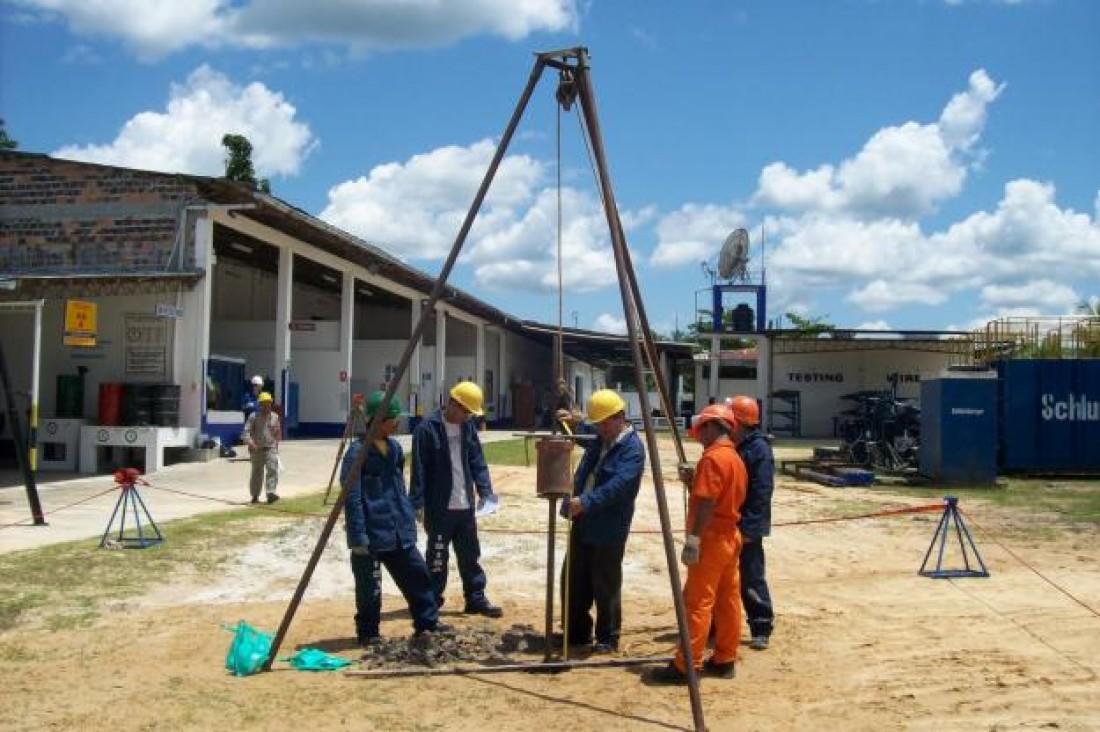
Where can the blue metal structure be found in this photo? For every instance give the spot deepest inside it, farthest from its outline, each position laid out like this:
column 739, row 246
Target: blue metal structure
column 1050, row 415
column 718, row 292
column 958, row 427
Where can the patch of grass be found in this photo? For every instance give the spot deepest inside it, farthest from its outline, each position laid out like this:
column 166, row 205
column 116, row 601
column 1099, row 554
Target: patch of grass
column 510, row 452
column 64, row 585
column 1074, row 501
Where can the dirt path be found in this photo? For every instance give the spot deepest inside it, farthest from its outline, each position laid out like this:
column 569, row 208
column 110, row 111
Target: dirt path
column 862, row 641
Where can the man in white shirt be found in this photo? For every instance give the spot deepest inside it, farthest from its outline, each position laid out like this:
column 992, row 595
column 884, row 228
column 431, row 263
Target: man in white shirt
column 448, row 467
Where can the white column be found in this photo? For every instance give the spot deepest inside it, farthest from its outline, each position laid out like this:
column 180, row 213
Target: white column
column 764, row 378
column 416, row 395
column 479, row 354
column 284, row 293
column 715, row 367
column 441, row 384
column 192, row 337
column 347, row 337
column 504, row 397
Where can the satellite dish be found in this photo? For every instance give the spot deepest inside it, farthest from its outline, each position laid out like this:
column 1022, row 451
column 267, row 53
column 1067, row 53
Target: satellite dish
column 733, row 260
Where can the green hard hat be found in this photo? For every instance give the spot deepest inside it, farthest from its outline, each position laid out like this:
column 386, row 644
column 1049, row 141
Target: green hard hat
column 374, row 401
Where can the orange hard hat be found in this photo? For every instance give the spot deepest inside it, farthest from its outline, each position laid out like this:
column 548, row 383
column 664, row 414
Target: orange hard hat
column 710, row 413
column 746, row 410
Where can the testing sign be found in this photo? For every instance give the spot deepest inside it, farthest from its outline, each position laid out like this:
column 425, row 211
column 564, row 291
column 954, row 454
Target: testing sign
column 80, row 323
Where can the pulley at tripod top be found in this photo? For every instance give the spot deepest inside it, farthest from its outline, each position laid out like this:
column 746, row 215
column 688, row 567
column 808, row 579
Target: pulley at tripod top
column 554, row 476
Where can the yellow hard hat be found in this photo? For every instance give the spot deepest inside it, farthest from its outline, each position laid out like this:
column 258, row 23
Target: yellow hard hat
column 469, row 395
column 604, row 403
column 264, row 397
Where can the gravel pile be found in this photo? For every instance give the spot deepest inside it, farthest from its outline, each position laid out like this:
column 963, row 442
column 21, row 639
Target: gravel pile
column 460, row 646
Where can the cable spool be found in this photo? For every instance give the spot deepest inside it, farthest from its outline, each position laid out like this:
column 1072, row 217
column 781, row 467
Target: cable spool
column 553, row 474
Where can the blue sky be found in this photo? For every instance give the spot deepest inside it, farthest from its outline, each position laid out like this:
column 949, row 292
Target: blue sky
column 913, row 164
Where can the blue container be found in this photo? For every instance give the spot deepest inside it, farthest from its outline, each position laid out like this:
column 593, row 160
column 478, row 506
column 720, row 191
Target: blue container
column 958, row 429
column 1050, row 415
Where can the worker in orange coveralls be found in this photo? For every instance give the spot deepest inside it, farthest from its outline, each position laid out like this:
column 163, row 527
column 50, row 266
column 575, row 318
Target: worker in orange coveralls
column 711, row 550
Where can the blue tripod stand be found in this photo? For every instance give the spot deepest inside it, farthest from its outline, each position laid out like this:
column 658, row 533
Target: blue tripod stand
column 951, row 518
column 127, row 480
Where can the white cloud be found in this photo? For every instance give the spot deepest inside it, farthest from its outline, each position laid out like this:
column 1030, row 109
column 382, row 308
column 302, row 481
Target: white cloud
column 608, row 323
column 156, row 29
column 1052, row 296
column 874, row 325
column 186, row 137
column 416, row 208
column 884, row 295
column 902, row 171
column 693, row 233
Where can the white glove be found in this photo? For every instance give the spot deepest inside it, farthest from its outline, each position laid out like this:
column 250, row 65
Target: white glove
column 420, row 516
column 691, row 551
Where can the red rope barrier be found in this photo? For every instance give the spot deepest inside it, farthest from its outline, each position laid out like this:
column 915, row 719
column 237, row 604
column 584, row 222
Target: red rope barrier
column 24, row 522
column 1027, row 564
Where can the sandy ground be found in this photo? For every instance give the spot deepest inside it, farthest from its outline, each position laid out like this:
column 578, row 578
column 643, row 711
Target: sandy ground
column 862, row 641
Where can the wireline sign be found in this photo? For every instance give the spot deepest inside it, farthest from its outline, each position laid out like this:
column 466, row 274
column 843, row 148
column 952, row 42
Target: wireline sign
column 80, row 324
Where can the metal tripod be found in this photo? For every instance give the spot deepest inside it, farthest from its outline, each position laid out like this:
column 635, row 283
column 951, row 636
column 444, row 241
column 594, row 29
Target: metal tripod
column 967, row 546
column 573, row 67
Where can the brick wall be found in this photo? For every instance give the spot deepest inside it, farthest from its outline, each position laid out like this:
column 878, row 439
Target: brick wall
column 64, row 217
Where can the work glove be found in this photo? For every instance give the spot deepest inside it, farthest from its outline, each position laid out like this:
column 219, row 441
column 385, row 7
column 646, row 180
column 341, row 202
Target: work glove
column 420, row 515
column 563, row 510
column 691, row 551
column 687, row 473
column 362, row 550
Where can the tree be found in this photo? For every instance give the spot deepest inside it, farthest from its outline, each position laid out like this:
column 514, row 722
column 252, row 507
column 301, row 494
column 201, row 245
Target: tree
column 810, row 326
column 6, row 143
column 238, row 162
column 1090, row 307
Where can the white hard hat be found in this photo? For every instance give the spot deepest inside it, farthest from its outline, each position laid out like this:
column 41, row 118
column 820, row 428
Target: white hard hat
column 258, row 380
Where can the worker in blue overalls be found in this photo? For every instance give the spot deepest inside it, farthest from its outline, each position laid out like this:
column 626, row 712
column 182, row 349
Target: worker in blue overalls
column 448, row 469
column 381, row 531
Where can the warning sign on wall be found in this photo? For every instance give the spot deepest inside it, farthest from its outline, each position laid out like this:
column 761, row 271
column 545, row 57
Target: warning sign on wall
column 80, row 323
column 147, row 346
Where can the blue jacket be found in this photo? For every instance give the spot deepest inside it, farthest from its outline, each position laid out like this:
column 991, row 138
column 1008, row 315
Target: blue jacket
column 430, row 487
column 609, row 506
column 378, row 512
column 756, row 514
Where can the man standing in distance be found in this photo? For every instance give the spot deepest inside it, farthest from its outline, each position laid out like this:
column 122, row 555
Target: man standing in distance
column 448, row 467
column 262, row 433
column 756, row 519
column 605, row 488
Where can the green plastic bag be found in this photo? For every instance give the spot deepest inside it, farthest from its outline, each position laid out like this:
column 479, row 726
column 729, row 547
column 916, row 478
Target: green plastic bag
column 248, row 651
column 313, row 659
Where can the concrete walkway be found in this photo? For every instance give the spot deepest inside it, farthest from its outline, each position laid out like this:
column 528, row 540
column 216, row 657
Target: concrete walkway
column 79, row 506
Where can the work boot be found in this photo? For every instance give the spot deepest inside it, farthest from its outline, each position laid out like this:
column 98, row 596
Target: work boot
column 368, row 642
column 255, row 499
column 759, row 643
column 667, row 675
column 483, row 607
column 720, row 670
column 602, row 648
column 272, row 497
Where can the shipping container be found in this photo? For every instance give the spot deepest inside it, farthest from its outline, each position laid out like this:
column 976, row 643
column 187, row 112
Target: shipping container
column 958, row 425
column 1050, row 415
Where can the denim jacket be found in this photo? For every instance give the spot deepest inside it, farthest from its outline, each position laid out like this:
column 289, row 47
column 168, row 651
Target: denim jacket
column 378, row 513
column 756, row 514
column 430, row 487
column 609, row 506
